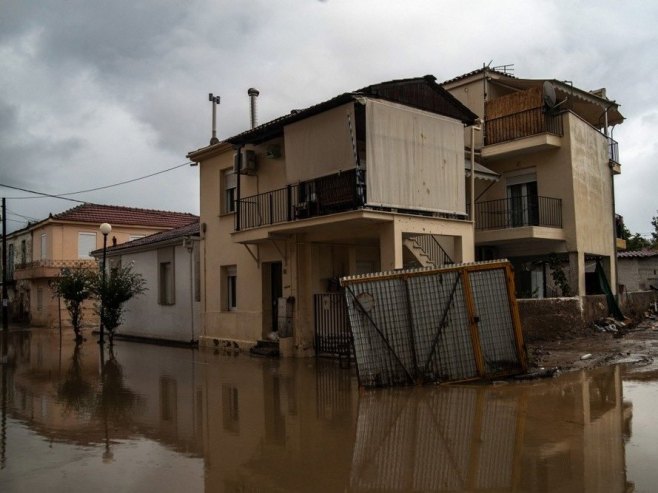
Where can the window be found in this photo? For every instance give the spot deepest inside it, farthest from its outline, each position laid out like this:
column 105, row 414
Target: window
column 166, row 284
column 230, row 295
column 86, row 245
column 522, row 200
column 229, row 188
column 23, row 252
column 44, row 246
column 39, row 299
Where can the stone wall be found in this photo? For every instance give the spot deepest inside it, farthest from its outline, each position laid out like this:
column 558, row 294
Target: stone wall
column 563, row 318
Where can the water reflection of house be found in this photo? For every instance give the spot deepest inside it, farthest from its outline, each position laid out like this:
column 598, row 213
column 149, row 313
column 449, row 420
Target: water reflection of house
column 280, row 428
column 60, row 394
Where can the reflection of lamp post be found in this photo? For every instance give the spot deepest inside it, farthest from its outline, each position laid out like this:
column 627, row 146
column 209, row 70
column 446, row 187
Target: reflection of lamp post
column 106, row 229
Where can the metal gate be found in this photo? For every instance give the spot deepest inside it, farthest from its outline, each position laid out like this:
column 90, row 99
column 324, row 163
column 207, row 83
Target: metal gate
column 332, row 328
column 428, row 325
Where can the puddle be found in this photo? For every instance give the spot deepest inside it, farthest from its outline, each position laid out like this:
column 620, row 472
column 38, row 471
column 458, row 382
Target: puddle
column 146, row 417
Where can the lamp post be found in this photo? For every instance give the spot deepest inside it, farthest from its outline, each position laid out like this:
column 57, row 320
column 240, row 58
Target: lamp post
column 106, row 229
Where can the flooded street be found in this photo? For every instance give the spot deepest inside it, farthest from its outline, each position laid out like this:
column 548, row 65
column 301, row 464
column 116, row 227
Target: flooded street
column 153, row 418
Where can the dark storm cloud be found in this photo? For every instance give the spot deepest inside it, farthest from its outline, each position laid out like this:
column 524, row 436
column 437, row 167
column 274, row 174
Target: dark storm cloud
column 93, row 92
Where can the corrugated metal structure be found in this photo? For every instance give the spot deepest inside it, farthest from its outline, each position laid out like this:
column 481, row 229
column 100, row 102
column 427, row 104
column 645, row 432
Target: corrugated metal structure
column 435, row 325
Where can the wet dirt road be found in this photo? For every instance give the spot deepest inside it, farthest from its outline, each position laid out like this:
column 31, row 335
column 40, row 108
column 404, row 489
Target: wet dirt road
column 153, row 418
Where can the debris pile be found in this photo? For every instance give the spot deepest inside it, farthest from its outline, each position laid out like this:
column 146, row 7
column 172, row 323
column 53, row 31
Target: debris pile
column 609, row 324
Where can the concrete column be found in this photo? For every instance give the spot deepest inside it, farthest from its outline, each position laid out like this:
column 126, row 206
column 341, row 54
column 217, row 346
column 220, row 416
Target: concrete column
column 390, row 246
column 577, row 273
column 301, row 289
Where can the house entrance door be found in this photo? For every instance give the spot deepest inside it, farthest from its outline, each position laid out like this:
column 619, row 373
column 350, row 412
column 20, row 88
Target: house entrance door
column 276, row 288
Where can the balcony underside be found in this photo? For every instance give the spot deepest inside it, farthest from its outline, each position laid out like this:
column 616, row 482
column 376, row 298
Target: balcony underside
column 508, row 235
column 352, row 226
column 523, row 145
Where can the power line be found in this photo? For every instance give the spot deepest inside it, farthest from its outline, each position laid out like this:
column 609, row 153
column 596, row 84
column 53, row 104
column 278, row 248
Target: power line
column 38, row 193
column 63, row 196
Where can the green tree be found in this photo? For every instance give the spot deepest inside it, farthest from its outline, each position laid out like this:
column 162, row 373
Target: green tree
column 636, row 241
column 654, row 233
column 74, row 286
column 120, row 285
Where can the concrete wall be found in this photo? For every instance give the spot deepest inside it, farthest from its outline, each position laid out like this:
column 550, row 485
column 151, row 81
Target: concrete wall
column 563, row 318
column 638, row 274
column 145, row 316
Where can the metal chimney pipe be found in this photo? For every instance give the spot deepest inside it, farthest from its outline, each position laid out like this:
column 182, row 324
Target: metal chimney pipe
column 253, row 94
column 215, row 100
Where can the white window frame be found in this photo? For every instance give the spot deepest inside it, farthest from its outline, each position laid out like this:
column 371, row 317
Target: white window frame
column 229, row 185
column 230, row 283
column 44, row 246
column 82, row 247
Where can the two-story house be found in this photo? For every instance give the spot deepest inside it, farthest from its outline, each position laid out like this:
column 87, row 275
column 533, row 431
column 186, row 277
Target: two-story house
column 37, row 253
column 552, row 210
column 371, row 180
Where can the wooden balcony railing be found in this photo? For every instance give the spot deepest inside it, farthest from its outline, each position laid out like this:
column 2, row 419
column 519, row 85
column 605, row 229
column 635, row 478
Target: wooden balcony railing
column 325, row 195
column 516, row 212
column 523, row 124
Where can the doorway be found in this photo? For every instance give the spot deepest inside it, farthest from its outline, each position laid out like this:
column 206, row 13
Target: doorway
column 272, row 283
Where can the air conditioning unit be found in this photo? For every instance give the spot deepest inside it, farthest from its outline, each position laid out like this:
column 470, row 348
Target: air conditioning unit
column 247, row 164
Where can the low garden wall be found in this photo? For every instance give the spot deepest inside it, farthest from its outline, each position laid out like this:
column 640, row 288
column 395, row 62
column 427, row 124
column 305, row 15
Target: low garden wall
column 563, row 318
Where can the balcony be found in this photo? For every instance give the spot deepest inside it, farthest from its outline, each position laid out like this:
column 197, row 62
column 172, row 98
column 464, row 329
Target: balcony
column 49, row 268
column 613, row 156
column 526, row 131
column 517, row 212
column 325, row 195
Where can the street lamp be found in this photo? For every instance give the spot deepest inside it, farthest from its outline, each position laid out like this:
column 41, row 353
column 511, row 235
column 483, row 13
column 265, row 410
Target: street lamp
column 106, row 229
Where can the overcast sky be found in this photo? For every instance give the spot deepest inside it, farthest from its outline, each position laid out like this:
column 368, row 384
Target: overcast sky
column 97, row 92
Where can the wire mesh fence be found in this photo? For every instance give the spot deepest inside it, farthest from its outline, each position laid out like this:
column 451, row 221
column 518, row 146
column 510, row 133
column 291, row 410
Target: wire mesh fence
column 435, row 325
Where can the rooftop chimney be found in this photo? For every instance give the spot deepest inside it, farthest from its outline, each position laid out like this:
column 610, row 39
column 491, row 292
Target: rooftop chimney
column 253, row 94
column 215, row 101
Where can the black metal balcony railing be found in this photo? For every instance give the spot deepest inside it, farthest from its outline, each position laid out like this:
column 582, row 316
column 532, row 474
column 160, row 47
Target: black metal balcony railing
column 613, row 150
column 516, row 212
column 522, row 124
column 325, row 195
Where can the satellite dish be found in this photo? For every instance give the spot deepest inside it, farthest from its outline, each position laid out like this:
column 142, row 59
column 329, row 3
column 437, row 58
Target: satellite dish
column 549, row 94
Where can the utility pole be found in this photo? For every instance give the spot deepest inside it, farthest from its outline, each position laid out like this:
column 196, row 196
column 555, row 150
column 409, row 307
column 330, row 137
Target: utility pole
column 5, row 303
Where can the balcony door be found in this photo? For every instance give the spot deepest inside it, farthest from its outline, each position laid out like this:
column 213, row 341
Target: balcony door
column 523, row 201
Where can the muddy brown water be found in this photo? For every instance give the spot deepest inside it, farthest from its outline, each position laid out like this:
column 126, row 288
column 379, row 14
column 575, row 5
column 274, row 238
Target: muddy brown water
column 153, row 418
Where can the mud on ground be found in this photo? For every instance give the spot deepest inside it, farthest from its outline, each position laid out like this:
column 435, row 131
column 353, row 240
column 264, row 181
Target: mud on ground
column 635, row 346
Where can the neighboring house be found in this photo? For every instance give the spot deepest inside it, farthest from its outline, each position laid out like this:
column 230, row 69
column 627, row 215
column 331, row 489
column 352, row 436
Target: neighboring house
column 551, row 144
column 371, row 180
column 66, row 240
column 638, row 270
column 169, row 263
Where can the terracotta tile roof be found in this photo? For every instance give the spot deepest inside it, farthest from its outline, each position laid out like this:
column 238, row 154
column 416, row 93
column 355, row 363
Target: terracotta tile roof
column 638, row 254
column 129, row 216
column 191, row 229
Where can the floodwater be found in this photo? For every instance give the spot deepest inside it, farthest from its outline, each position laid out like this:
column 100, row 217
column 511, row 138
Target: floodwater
column 152, row 418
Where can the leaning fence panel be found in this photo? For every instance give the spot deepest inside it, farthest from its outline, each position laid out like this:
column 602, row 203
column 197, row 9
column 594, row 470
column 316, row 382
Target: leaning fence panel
column 429, row 325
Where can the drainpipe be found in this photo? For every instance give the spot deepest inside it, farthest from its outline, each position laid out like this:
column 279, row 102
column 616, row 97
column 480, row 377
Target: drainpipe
column 472, row 198
column 238, row 165
column 614, row 207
